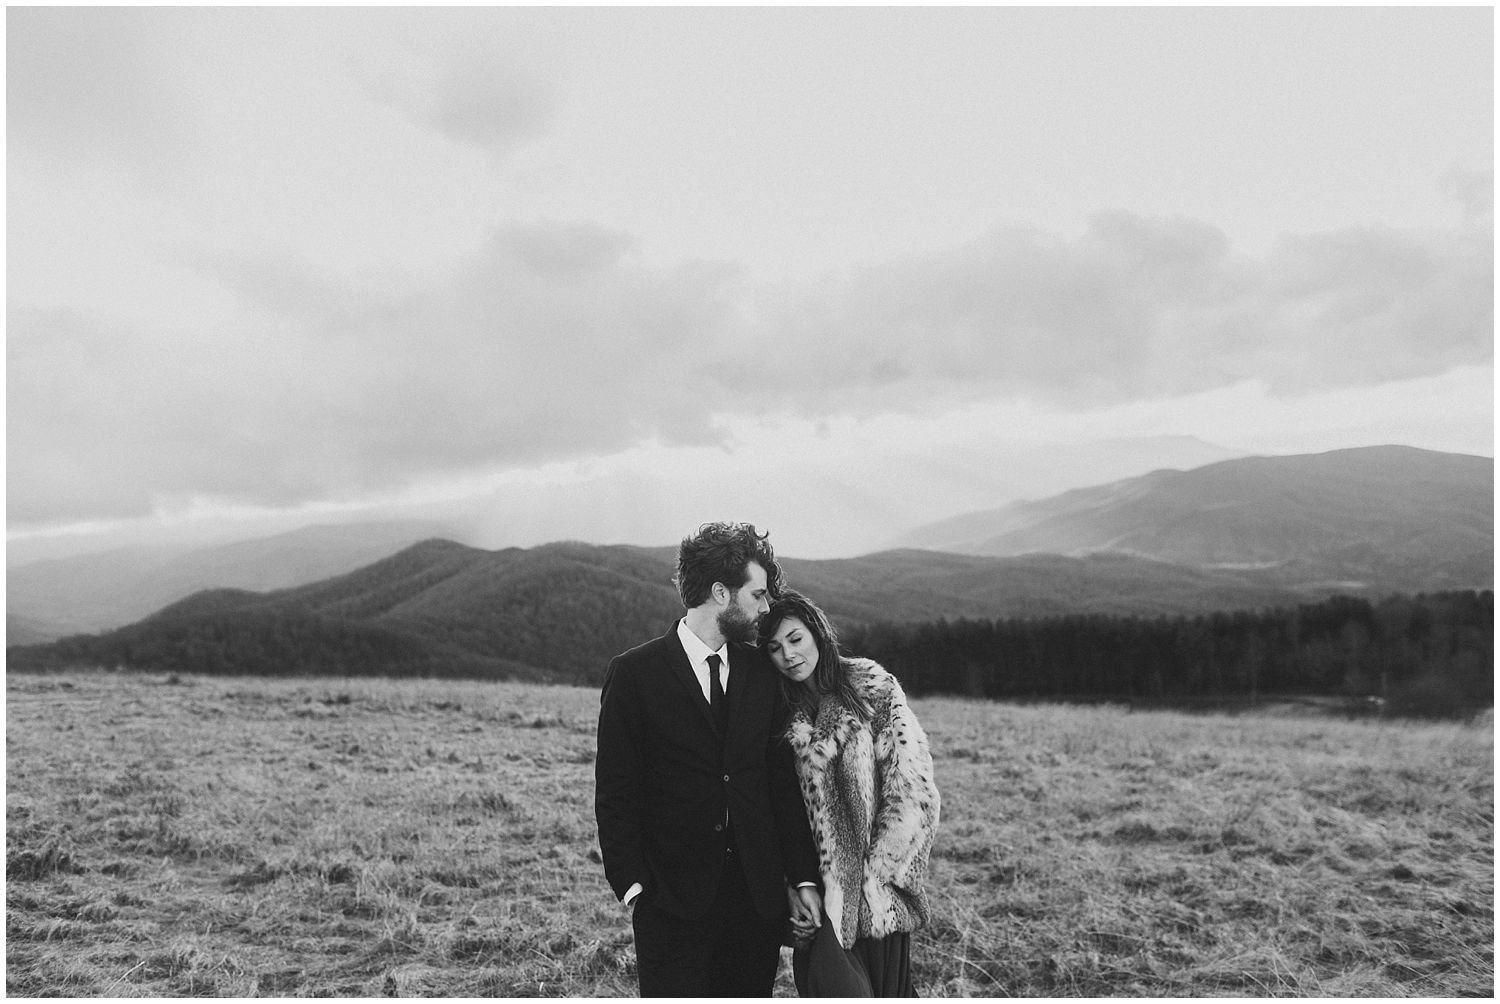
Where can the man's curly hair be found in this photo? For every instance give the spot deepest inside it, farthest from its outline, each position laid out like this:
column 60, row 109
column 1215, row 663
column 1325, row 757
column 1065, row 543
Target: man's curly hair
column 721, row 552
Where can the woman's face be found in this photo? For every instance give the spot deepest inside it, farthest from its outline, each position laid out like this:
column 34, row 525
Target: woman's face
column 792, row 649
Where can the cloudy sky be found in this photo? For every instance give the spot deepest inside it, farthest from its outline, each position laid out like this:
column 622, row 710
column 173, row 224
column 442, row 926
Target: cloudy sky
column 604, row 274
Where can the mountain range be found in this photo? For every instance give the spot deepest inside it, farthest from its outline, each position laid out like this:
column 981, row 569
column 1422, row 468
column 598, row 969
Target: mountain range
column 92, row 592
column 1250, row 533
column 560, row 611
column 1392, row 518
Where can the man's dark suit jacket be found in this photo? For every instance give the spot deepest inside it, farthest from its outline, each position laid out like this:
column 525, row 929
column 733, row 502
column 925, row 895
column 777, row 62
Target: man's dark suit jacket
column 661, row 788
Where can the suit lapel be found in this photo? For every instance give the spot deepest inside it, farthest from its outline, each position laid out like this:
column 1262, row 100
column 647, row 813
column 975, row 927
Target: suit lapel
column 742, row 683
column 682, row 669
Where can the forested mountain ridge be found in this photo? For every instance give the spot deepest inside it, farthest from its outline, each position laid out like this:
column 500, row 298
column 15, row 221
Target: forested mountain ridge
column 1369, row 521
column 94, row 592
column 436, row 608
column 1383, row 519
column 561, row 611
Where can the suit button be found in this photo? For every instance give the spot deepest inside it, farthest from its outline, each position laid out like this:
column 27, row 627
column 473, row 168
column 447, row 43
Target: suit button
column 718, row 827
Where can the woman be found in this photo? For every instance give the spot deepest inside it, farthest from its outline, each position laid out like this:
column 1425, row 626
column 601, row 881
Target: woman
column 866, row 776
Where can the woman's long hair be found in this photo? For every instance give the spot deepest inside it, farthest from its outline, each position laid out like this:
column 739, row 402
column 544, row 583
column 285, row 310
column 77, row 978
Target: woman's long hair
column 831, row 675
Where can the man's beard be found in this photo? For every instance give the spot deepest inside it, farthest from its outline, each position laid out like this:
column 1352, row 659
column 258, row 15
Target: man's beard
column 736, row 625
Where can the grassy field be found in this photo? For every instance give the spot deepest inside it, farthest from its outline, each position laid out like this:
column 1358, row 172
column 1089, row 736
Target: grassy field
column 206, row 836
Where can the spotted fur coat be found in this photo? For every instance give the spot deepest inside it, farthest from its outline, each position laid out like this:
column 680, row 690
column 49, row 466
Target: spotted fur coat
column 873, row 806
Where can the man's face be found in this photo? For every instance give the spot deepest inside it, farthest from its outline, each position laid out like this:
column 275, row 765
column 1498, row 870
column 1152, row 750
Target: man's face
column 747, row 606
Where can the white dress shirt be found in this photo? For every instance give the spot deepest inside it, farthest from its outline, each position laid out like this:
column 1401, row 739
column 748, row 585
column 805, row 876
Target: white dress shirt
column 698, row 652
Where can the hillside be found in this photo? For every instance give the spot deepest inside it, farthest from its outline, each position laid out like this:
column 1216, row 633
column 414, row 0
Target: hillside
column 1242, row 534
column 560, row 611
column 1381, row 519
column 98, row 591
column 911, row 585
column 1373, row 521
column 30, row 630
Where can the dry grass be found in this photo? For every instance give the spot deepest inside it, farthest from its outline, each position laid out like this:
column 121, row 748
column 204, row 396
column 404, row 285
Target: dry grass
column 243, row 837
column 1102, row 853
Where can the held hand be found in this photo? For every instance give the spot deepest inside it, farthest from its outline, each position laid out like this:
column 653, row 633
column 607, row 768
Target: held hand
column 801, row 916
column 802, row 920
column 812, row 905
column 794, row 904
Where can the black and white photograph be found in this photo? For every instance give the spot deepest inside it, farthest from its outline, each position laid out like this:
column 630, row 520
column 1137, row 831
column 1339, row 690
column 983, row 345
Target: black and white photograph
column 772, row 501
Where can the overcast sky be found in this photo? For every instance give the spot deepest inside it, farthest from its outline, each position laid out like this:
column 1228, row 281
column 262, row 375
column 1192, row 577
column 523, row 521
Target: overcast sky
column 605, row 274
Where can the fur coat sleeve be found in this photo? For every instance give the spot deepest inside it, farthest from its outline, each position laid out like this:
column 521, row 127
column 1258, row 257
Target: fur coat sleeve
column 906, row 814
column 872, row 804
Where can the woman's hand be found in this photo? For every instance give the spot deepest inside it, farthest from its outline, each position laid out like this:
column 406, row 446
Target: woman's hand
column 806, row 905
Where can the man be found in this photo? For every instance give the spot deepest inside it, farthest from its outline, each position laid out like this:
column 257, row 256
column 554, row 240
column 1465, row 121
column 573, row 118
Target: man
column 700, row 817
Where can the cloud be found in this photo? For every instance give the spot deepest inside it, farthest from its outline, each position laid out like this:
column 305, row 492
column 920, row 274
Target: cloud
column 475, row 99
column 565, row 250
column 543, row 344
column 1474, row 191
column 103, row 421
column 553, row 341
column 1368, row 305
column 97, row 87
column 1139, row 307
column 281, row 285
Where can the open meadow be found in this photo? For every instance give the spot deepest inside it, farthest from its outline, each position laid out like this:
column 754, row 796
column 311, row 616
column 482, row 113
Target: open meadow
column 233, row 836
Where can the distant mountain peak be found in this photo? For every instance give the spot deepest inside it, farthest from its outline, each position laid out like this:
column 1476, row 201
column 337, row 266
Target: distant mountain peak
column 1392, row 517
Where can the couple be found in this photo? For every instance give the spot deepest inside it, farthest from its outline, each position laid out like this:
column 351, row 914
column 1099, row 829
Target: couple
column 742, row 785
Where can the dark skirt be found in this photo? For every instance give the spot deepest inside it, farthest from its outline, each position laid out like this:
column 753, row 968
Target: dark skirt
column 887, row 962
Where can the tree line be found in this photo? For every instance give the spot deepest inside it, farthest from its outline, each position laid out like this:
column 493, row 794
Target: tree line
column 1423, row 654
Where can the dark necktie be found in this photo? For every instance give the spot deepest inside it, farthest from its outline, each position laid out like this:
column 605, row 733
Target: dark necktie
column 717, row 702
